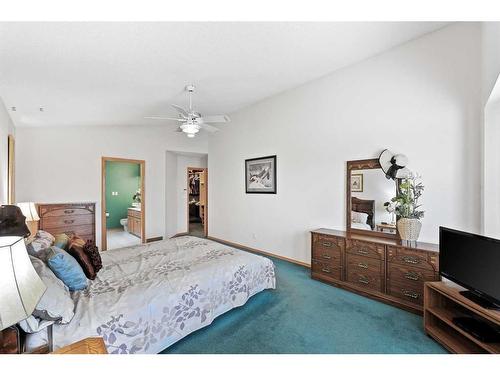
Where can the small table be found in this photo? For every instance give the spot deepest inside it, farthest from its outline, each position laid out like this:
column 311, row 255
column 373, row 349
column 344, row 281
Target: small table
column 90, row 345
column 391, row 228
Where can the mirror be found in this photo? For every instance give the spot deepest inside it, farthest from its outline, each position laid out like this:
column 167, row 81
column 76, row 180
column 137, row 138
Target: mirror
column 367, row 191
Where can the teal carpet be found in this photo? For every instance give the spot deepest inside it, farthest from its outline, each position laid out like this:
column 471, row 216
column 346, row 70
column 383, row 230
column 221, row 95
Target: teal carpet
column 306, row 316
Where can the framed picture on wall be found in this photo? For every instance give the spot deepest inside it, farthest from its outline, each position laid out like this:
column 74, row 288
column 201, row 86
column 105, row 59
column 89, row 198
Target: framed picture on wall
column 357, row 183
column 260, row 175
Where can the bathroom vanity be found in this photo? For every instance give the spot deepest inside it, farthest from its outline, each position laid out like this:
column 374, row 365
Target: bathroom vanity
column 134, row 221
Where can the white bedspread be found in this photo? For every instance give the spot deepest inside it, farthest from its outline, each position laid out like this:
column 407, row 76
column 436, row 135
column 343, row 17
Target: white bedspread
column 147, row 297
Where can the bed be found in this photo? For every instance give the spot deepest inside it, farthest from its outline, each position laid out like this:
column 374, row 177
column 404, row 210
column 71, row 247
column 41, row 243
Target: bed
column 366, row 206
column 147, row 297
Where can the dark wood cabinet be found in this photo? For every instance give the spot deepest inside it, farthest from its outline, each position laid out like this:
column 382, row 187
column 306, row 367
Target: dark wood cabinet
column 380, row 268
column 78, row 218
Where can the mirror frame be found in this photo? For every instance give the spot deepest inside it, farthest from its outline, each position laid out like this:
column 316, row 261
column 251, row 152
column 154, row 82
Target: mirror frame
column 356, row 165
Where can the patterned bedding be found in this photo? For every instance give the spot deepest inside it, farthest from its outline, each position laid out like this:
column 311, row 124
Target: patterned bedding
column 147, row 297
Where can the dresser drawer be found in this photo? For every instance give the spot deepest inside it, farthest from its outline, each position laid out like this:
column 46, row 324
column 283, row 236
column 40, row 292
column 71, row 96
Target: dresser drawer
column 406, row 292
column 366, row 249
column 408, row 275
column 366, row 279
column 326, row 269
column 60, row 221
column 364, row 264
column 65, row 211
column 81, row 230
column 322, row 242
column 413, row 257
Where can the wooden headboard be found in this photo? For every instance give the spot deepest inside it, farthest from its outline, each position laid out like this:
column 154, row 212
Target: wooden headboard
column 366, row 206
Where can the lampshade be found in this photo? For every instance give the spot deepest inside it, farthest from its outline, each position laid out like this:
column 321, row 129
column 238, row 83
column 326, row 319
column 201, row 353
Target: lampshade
column 29, row 210
column 20, row 286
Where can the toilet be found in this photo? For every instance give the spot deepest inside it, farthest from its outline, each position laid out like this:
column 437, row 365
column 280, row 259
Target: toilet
column 124, row 222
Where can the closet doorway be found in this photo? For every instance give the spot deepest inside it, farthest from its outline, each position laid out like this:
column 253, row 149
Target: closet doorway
column 197, row 202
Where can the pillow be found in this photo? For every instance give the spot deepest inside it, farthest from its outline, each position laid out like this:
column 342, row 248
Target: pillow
column 55, row 305
column 359, row 217
column 75, row 249
column 40, row 245
column 61, row 241
column 66, row 268
column 93, row 252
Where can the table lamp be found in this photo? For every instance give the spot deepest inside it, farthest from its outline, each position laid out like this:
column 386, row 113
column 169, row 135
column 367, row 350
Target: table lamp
column 29, row 210
column 20, row 286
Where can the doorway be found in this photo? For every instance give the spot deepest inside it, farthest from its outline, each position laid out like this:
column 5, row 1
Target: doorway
column 123, row 208
column 197, row 202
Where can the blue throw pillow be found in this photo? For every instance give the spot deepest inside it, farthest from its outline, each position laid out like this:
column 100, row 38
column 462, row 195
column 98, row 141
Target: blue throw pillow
column 66, row 268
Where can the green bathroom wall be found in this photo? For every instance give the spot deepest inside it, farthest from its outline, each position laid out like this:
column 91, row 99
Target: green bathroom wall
column 123, row 178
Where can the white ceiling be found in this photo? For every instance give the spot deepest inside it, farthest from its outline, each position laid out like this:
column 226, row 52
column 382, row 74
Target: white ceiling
column 117, row 73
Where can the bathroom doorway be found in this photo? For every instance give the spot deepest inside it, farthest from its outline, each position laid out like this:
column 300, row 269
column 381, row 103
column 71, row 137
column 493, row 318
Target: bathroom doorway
column 197, row 202
column 123, row 209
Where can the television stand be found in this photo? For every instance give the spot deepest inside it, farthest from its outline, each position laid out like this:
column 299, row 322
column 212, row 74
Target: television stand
column 476, row 298
column 443, row 304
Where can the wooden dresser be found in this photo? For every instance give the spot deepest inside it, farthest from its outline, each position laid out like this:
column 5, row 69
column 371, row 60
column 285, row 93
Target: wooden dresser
column 134, row 222
column 379, row 268
column 57, row 218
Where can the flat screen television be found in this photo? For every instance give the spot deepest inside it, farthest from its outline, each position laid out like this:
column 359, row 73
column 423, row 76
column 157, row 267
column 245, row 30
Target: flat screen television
column 472, row 261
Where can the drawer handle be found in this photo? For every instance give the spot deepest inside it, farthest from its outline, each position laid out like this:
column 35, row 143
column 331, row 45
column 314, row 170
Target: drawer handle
column 412, row 276
column 326, row 256
column 69, row 221
column 326, row 270
column 362, row 265
column 362, row 251
column 363, row 280
column 409, row 293
column 411, row 260
column 326, row 244
column 69, row 211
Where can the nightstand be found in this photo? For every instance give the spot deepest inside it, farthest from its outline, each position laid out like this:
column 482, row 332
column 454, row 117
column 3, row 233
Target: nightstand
column 90, row 345
column 10, row 341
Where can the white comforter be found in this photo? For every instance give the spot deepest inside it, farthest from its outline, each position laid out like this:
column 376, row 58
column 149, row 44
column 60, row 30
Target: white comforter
column 147, row 297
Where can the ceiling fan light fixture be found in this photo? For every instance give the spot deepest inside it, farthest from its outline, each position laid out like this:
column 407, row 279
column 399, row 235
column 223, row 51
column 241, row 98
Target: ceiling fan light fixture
column 190, row 129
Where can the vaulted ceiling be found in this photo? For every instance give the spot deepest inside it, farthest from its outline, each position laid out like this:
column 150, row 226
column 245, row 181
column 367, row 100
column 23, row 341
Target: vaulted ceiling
column 117, row 73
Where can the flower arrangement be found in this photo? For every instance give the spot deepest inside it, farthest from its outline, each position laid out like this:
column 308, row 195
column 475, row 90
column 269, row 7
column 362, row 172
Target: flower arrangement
column 406, row 201
column 405, row 205
column 137, row 196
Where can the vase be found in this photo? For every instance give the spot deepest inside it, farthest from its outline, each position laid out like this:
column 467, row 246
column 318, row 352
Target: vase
column 409, row 229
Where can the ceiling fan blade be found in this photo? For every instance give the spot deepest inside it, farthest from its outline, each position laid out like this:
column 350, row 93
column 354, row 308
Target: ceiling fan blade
column 163, row 118
column 209, row 128
column 181, row 110
column 216, row 118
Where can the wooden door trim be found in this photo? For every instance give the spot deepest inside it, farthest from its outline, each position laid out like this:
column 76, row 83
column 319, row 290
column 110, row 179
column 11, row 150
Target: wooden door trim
column 142, row 164
column 205, row 170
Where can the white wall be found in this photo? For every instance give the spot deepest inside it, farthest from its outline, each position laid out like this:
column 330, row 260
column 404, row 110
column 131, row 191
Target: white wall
column 491, row 152
column 491, row 128
column 6, row 128
column 422, row 99
column 63, row 164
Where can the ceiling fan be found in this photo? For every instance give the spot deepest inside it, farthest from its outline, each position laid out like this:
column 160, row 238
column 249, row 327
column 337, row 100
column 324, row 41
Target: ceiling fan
column 192, row 121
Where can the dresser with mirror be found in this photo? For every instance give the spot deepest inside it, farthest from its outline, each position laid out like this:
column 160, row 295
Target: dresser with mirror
column 369, row 257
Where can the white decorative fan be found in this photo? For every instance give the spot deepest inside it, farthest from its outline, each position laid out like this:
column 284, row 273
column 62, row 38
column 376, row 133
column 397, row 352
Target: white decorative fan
column 193, row 121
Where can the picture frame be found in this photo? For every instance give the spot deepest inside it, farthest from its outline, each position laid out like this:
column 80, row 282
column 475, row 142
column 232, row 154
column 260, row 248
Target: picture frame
column 357, row 183
column 260, row 175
